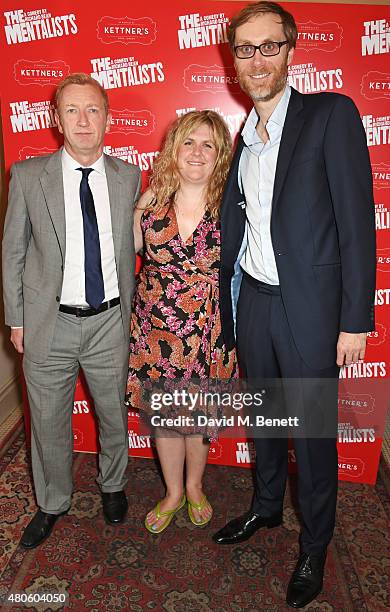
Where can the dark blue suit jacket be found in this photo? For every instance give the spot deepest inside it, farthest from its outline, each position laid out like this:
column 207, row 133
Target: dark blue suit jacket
column 322, row 226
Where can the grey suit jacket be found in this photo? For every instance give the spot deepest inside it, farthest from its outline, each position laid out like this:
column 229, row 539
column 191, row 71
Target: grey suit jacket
column 34, row 245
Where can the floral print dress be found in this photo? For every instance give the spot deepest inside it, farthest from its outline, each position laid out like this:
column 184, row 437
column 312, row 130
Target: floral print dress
column 175, row 324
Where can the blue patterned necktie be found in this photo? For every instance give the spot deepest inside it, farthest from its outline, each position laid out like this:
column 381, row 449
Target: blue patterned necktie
column 94, row 285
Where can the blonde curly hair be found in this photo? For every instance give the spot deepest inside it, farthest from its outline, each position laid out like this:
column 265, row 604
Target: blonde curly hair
column 165, row 180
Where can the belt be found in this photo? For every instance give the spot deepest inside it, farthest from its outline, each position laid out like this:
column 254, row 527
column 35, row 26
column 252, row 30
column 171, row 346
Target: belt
column 89, row 312
column 260, row 286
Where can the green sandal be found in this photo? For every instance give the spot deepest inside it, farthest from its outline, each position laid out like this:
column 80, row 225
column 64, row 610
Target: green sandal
column 168, row 513
column 199, row 507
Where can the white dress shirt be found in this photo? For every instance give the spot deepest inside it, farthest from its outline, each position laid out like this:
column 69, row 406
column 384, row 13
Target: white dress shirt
column 73, row 287
column 257, row 176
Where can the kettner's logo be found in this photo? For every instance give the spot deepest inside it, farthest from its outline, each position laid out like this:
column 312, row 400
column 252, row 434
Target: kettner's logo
column 381, row 175
column 22, row 27
column 319, row 36
column 215, row 451
column 40, row 72
column 378, row 336
column 356, row 403
column 351, row 466
column 375, row 85
column 126, row 30
column 132, row 122
column 383, row 260
column 376, row 38
column 28, row 152
column 213, row 79
column 78, row 437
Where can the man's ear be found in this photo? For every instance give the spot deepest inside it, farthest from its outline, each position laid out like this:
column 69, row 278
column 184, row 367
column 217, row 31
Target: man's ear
column 108, row 122
column 290, row 56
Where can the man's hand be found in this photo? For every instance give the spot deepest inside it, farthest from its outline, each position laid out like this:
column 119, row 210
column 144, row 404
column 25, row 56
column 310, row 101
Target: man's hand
column 17, row 338
column 350, row 348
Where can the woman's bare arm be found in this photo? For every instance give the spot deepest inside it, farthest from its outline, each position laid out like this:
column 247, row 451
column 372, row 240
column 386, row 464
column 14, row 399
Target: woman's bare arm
column 140, row 207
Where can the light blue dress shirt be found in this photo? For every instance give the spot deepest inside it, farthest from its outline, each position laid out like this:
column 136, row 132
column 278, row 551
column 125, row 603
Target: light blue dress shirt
column 257, row 176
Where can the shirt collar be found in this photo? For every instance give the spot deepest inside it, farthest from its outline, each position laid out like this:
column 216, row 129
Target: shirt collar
column 280, row 112
column 69, row 163
column 278, row 117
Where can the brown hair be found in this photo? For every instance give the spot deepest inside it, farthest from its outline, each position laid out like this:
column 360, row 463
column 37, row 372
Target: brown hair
column 80, row 78
column 260, row 8
column 165, row 179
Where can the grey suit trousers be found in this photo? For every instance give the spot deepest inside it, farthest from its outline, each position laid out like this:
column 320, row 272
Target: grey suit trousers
column 98, row 346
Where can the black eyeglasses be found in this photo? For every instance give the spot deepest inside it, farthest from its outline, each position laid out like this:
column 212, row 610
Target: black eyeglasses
column 267, row 49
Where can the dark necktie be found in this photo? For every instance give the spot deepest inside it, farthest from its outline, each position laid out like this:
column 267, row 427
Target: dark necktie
column 94, row 285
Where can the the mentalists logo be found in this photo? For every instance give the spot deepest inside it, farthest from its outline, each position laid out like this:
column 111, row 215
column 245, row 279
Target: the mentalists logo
column 125, row 72
column 376, row 37
column 26, row 26
column 29, row 116
column 202, row 30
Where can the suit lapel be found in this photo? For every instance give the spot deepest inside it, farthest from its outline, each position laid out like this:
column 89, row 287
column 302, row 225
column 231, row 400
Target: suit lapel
column 232, row 212
column 292, row 128
column 52, row 186
column 53, row 190
column 114, row 184
column 232, row 194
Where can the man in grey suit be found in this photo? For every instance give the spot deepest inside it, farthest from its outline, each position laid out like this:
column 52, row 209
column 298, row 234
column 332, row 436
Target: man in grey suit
column 68, row 271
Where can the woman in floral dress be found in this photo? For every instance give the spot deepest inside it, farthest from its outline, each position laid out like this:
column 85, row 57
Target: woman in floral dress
column 175, row 327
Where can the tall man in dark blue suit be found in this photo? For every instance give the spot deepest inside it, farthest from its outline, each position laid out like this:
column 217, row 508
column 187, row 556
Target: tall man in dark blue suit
column 298, row 216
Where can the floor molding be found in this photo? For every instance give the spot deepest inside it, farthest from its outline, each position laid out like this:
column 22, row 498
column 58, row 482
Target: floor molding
column 10, row 397
column 11, row 426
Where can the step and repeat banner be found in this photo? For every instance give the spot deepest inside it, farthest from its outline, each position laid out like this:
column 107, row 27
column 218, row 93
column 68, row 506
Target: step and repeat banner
column 157, row 61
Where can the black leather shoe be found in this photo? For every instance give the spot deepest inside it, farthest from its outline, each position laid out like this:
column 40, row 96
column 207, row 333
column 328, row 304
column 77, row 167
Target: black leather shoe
column 38, row 529
column 306, row 581
column 243, row 527
column 114, row 507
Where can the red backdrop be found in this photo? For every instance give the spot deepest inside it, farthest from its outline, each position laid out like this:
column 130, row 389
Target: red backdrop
column 161, row 60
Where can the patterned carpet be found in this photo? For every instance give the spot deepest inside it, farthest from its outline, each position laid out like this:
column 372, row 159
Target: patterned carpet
column 125, row 568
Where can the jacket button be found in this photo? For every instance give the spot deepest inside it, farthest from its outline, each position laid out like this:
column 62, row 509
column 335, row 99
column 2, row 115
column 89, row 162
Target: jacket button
column 57, row 298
